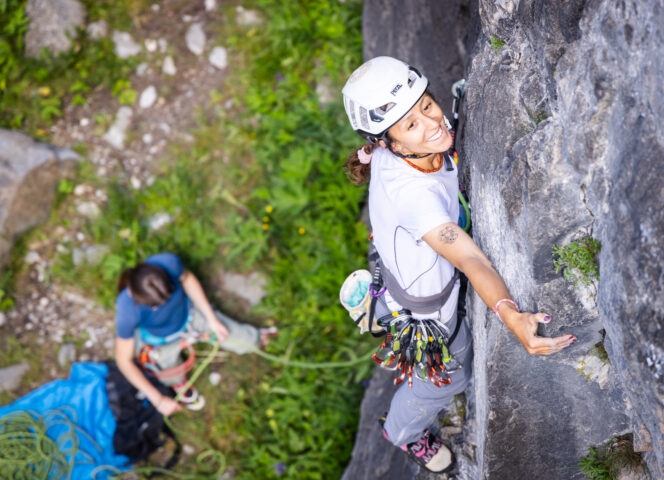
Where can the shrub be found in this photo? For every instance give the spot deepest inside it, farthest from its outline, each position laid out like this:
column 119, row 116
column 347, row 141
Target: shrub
column 578, row 260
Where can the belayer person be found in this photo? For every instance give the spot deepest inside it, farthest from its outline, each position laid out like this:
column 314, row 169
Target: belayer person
column 159, row 304
column 413, row 207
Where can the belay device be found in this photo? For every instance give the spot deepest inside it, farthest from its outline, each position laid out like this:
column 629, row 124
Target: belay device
column 413, row 347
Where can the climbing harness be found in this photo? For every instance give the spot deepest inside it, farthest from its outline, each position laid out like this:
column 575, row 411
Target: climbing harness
column 412, row 346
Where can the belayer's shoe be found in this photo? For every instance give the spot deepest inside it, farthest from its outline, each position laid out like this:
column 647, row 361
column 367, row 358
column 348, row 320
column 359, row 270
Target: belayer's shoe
column 191, row 399
column 429, row 451
column 267, row 333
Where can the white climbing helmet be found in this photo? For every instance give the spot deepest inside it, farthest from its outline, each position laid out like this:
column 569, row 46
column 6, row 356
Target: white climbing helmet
column 379, row 93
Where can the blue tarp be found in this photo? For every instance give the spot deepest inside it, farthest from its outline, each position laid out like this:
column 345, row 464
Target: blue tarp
column 84, row 393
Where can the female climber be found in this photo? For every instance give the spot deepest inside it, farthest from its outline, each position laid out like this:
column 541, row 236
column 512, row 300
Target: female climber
column 413, row 207
column 159, row 303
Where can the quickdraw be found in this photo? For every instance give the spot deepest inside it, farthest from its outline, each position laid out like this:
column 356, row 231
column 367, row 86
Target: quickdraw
column 416, row 348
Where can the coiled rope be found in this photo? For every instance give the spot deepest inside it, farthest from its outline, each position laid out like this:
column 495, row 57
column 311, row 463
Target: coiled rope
column 29, row 450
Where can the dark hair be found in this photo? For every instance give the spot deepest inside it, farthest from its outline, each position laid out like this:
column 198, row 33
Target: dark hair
column 359, row 173
column 148, row 284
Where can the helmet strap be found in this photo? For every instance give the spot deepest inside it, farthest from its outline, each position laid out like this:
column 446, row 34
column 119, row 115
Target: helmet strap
column 412, row 155
column 404, row 155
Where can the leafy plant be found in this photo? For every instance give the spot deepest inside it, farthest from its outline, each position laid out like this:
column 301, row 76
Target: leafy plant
column 599, row 351
column 608, row 461
column 578, row 260
column 496, row 42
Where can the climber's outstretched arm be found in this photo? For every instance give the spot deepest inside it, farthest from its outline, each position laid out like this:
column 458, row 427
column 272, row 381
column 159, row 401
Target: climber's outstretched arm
column 451, row 242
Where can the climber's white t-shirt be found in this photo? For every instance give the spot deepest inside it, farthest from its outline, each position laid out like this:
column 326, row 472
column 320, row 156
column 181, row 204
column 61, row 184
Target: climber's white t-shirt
column 404, row 205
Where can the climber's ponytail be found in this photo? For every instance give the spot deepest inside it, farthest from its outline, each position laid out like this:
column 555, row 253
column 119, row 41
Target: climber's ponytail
column 358, row 172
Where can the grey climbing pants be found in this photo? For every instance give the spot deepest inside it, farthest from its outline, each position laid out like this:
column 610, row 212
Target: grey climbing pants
column 414, row 409
column 242, row 338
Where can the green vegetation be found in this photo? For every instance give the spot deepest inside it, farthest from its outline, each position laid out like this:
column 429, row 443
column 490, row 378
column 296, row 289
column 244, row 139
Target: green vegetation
column 496, row 43
column 260, row 187
column 578, row 260
column 12, row 352
column 599, row 351
column 6, row 302
column 33, row 91
column 537, row 116
column 606, row 463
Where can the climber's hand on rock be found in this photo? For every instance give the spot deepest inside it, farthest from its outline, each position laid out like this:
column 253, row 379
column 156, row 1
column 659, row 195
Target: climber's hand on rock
column 524, row 327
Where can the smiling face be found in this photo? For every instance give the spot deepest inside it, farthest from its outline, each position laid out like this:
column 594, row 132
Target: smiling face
column 422, row 130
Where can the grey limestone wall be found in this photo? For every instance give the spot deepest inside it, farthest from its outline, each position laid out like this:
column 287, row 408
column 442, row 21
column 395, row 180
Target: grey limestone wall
column 562, row 139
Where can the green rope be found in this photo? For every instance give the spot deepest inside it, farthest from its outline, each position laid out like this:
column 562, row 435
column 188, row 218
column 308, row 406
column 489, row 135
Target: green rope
column 27, row 452
column 463, row 202
column 197, row 372
column 291, row 363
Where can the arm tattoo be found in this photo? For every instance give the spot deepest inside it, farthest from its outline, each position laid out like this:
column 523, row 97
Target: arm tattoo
column 448, row 234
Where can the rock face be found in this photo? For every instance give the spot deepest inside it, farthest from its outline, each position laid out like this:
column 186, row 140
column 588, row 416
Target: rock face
column 431, row 36
column 52, row 24
column 561, row 140
column 29, row 174
column 373, row 456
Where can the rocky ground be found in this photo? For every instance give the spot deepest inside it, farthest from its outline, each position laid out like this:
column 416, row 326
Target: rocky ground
column 182, row 63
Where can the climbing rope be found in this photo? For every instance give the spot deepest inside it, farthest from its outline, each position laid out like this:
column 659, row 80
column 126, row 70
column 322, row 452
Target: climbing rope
column 464, row 203
column 28, row 450
column 273, row 358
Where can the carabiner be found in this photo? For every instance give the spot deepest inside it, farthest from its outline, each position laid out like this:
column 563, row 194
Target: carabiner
column 400, row 378
column 421, row 372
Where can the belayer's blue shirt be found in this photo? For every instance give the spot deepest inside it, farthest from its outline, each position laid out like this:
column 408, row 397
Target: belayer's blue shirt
column 162, row 320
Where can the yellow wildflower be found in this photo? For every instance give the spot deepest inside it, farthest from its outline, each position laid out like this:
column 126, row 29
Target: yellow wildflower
column 266, row 226
column 266, row 219
column 44, row 91
column 269, row 209
column 301, row 230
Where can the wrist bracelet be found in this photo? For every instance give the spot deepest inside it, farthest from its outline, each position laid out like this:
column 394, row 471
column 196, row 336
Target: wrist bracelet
column 504, row 300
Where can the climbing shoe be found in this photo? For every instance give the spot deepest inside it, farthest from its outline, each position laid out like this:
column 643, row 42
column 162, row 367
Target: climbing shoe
column 191, row 399
column 428, row 452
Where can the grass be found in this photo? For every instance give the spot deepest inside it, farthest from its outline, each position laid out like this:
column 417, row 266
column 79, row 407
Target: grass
column 14, row 351
column 578, row 260
column 260, row 188
column 34, row 90
column 537, row 117
column 608, row 461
